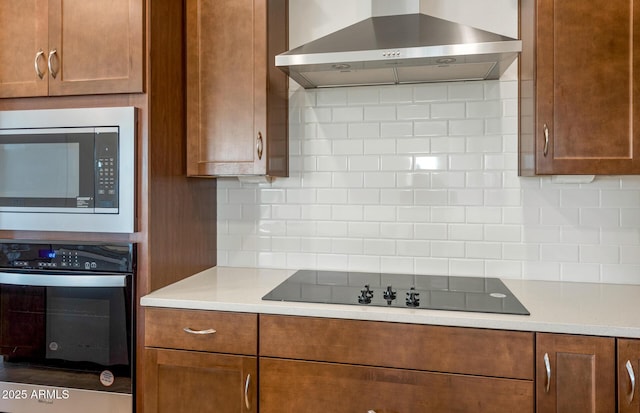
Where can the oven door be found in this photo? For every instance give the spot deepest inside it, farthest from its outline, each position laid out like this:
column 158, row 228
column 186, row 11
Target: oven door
column 66, row 342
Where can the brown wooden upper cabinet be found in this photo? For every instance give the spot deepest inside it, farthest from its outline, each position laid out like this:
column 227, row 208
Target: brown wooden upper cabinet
column 70, row 47
column 579, row 96
column 237, row 100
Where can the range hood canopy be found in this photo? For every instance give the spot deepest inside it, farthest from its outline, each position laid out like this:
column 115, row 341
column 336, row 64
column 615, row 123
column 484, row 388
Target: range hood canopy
column 406, row 48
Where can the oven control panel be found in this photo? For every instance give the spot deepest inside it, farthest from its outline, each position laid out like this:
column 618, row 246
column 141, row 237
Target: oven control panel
column 67, row 256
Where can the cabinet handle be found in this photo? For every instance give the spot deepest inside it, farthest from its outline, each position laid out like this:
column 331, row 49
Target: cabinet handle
column 547, row 367
column 246, row 392
column 199, row 332
column 546, row 140
column 259, row 145
column 632, row 378
column 53, row 72
column 35, row 63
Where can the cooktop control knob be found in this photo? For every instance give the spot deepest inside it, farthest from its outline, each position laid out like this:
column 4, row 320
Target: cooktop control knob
column 389, row 295
column 413, row 298
column 365, row 295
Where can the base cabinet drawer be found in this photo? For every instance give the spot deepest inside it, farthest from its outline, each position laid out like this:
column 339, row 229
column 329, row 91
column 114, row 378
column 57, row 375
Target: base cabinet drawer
column 288, row 386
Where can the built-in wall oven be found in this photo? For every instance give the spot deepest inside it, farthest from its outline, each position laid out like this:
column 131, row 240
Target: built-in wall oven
column 67, row 169
column 67, row 323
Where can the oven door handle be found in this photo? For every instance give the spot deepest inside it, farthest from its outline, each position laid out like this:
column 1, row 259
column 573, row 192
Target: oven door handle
column 64, row 280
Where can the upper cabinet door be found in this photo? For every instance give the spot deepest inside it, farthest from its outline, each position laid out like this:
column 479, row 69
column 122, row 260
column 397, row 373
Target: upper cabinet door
column 237, row 101
column 23, row 47
column 579, row 65
column 95, row 46
column 70, row 47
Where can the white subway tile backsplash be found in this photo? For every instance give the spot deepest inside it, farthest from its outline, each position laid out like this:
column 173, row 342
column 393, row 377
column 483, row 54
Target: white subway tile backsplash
column 423, row 179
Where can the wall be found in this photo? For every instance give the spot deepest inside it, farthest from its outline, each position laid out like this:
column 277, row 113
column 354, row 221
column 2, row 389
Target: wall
column 423, row 179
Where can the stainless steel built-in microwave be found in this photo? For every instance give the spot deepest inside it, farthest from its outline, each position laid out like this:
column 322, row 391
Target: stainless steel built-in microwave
column 68, row 170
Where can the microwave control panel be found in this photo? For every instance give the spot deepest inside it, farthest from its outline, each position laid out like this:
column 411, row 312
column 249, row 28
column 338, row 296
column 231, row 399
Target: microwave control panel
column 106, row 184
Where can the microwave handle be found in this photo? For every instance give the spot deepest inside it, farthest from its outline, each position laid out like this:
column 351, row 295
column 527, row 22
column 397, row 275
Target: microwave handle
column 64, row 280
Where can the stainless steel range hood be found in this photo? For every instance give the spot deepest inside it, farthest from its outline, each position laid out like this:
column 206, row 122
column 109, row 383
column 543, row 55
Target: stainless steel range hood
column 406, row 48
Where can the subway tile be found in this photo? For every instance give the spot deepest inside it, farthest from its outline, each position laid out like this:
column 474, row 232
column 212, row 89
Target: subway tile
column 431, row 128
column 364, row 196
column 379, row 247
column 559, row 252
column 483, row 250
column 466, row 91
column 430, row 93
column 379, row 180
column 336, row 262
column 364, row 163
column 401, row 265
column 413, row 145
column 331, row 97
column 396, row 129
column 380, row 213
column 413, row 248
column 366, row 229
column 392, row 94
column 466, row 127
column 347, row 147
column 413, row 112
column 380, row 113
column 448, row 110
column 413, row 180
column 364, row 130
column 363, row 96
column 348, row 114
column 578, row 272
column 379, row 147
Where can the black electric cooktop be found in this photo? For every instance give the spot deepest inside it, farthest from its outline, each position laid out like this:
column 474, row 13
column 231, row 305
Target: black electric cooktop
column 433, row 292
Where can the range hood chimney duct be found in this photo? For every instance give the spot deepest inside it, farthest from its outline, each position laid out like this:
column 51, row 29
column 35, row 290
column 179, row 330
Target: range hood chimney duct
column 400, row 45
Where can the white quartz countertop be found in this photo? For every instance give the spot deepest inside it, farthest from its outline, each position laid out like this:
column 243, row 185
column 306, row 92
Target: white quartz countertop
column 557, row 307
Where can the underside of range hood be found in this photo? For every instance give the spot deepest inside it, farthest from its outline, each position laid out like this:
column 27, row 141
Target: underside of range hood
column 407, row 48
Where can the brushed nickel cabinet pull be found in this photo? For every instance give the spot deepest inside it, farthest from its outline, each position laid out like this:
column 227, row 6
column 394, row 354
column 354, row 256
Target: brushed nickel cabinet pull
column 199, row 332
column 546, row 140
column 632, row 378
column 259, row 145
column 35, row 63
column 246, row 392
column 547, row 367
column 53, row 72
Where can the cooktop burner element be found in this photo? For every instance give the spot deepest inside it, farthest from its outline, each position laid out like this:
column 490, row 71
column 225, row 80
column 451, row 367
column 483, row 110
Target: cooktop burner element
column 434, row 292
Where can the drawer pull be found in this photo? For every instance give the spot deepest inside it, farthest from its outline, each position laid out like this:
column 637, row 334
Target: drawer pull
column 199, row 332
column 632, row 378
column 547, row 367
column 50, row 64
column 546, row 140
column 246, row 392
column 38, row 71
column 259, row 145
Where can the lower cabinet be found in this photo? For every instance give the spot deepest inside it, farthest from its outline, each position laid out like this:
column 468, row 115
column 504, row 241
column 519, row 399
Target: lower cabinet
column 288, row 386
column 320, row 365
column 628, row 376
column 208, row 362
column 200, row 361
column 190, row 381
column 575, row 374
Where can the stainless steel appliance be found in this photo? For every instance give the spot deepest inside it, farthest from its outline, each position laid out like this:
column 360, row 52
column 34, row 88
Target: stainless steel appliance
column 433, row 292
column 68, row 170
column 67, row 318
column 405, row 48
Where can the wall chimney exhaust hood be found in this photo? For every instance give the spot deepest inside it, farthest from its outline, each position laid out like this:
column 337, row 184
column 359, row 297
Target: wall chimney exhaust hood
column 405, row 48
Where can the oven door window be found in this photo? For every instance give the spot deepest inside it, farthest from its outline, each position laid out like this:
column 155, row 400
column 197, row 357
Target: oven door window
column 69, row 334
column 47, row 169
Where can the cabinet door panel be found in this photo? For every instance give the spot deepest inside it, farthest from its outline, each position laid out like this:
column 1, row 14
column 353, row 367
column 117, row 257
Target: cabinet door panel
column 288, row 386
column 581, row 375
column 23, row 33
column 98, row 46
column 628, row 352
column 186, row 382
column 221, row 94
column 586, row 87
